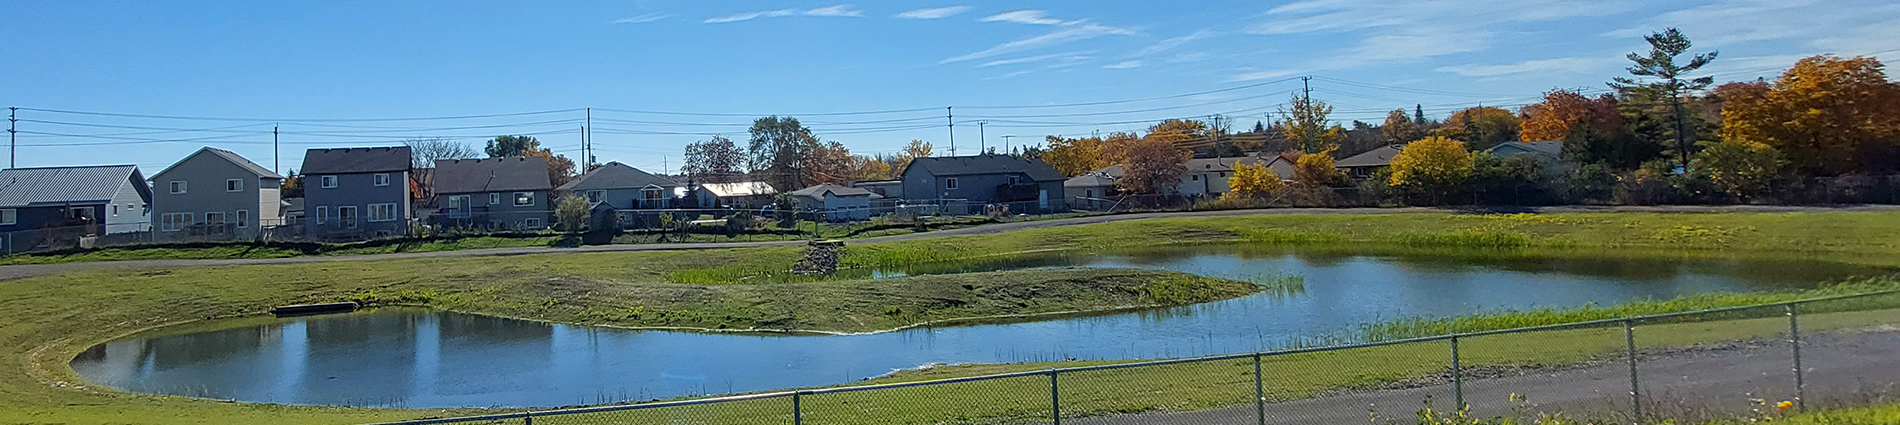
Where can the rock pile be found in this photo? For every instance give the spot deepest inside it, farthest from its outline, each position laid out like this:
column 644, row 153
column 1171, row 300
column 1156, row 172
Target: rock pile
column 821, row 259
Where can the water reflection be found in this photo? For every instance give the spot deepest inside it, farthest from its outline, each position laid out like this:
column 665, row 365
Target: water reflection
column 434, row 359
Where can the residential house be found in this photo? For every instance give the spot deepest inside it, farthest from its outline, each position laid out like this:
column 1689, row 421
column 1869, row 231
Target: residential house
column 741, row 195
column 839, row 203
column 624, row 188
column 354, row 193
column 1088, row 190
column 216, row 192
column 1284, row 164
column 1202, row 177
column 986, row 179
column 1548, row 153
column 884, row 188
column 500, row 193
column 1364, row 165
column 92, row 199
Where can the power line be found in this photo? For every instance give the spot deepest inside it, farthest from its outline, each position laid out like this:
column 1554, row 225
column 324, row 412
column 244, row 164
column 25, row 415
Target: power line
column 179, row 117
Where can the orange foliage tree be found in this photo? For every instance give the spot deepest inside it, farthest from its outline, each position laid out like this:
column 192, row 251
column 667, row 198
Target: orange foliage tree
column 1563, row 110
column 1153, row 166
column 1829, row 115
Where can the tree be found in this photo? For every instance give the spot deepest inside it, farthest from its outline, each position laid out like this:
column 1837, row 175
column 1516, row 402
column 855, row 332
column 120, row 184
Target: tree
column 560, row 169
column 1154, row 166
column 779, row 150
column 571, row 213
column 1829, row 115
column 1306, row 125
column 1481, row 127
column 1252, row 181
column 1433, row 166
column 1563, row 110
column 715, row 160
column 830, row 163
column 1399, row 127
column 1665, row 80
column 866, row 168
column 293, row 185
column 424, row 152
column 1739, row 167
column 512, row 145
column 1181, row 132
column 1615, row 147
column 1315, row 170
column 916, row 149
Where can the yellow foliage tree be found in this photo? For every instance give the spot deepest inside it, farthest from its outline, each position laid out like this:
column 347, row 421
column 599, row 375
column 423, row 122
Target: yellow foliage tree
column 1741, row 168
column 1432, row 163
column 1316, row 170
column 1829, row 115
column 1252, row 181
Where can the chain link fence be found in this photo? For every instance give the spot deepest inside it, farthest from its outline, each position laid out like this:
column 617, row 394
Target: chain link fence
column 1754, row 361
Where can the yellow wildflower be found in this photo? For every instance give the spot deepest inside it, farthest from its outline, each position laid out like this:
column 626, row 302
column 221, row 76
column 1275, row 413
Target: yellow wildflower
column 1784, row 405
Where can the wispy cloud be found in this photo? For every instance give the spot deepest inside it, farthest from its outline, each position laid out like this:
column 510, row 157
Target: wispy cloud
column 836, row 10
column 650, row 17
column 1028, row 16
column 1262, row 75
column 1570, row 65
column 1417, row 30
column 1830, row 24
column 1123, row 65
column 1170, row 44
column 934, row 12
column 1063, row 35
column 1066, row 57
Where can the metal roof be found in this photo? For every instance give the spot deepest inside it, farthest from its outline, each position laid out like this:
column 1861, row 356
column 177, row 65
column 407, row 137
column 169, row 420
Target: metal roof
column 491, row 175
column 356, row 160
column 723, row 190
column 22, row 187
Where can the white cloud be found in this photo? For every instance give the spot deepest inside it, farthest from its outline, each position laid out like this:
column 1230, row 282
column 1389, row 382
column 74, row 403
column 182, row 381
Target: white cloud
column 934, row 12
column 650, row 17
column 1409, row 31
column 1170, row 44
column 747, row 16
column 1830, row 24
column 1262, row 75
column 1066, row 57
column 1410, row 46
column 1123, row 65
column 1029, row 16
column 1063, row 35
column 1570, row 65
column 836, row 10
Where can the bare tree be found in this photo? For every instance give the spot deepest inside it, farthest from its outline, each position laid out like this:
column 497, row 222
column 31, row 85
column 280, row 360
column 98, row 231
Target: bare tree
column 424, row 152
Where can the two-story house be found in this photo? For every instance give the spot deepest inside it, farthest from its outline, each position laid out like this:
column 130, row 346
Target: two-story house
column 353, row 193
column 92, row 200
column 215, row 191
column 1027, row 184
column 499, row 193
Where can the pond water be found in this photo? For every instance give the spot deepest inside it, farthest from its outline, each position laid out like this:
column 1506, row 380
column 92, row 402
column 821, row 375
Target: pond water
column 419, row 358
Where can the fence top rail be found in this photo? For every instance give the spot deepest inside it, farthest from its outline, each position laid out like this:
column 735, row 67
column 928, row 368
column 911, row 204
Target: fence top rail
column 1055, row 371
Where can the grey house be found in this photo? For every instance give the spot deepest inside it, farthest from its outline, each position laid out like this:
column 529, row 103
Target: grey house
column 356, row 193
column 215, row 191
column 986, row 179
column 624, row 188
column 1548, row 153
column 502, row 193
column 839, row 203
column 1364, row 165
column 94, row 200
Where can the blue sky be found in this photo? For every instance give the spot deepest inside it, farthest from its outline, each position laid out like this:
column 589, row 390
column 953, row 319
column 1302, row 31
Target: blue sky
column 661, row 74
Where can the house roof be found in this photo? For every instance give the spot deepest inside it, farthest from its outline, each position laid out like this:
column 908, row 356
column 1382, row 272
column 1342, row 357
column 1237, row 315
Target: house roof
column 22, row 187
column 614, row 175
column 356, row 160
column 491, row 175
column 723, row 190
column 228, row 156
column 1090, row 179
column 836, row 190
column 1545, row 149
column 986, row 164
column 1379, row 157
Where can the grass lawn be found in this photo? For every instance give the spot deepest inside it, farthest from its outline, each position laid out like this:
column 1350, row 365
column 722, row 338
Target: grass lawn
column 50, row 319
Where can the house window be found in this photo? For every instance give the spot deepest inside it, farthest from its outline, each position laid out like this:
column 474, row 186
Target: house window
column 214, row 218
column 178, row 187
column 380, row 179
column 115, row 210
column 243, row 217
column 329, row 182
column 172, row 222
column 494, row 199
column 1197, row 177
column 9, row 216
column 382, row 212
column 347, row 215
column 533, row 223
column 593, row 196
column 652, row 197
column 234, row 185
column 1012, row 180
column 524, row 199
column 323, row 214
column 950, row 183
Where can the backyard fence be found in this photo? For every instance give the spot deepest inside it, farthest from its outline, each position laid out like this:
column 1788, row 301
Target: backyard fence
column 1725, row 362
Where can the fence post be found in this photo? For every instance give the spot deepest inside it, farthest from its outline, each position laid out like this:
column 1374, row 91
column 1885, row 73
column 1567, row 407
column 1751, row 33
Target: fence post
column 1794, row 334
column 1259, row 392
column 798, row 414
column 1629, row 337
column 1055, row 399
column 527, row 418
column 1457, row 375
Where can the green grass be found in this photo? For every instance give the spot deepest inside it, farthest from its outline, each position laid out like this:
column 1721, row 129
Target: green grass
column 47, row 320
column 115, row 254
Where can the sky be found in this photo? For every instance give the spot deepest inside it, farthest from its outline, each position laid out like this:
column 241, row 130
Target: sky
column 148, row 83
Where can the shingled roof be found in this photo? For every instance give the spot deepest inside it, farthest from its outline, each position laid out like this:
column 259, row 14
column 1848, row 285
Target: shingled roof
column 491, row 175
column 229, row 156
column 614, row 175
column 986, row 164
column 356, row 160
column 22, row 187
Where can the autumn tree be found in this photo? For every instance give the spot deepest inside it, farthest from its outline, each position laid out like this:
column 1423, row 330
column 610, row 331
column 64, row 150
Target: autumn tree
column 1661, row 80
column 1738, row 167
column 1615, row 147
column 1154, row 166
column 1563, row 110
column 1315, row 170
column 916, row 149
column 1252, row 181
column 830, row 163
column 715, row 160
column 1074, row 156
column 1432, row 167
column 1399, row 127
column 1305, row 123
column 1183, row 133
column 1829, row 115
column 1481, row 127
column 560, row 169
column 292, row 186
column 868, row 168
column 779, row 152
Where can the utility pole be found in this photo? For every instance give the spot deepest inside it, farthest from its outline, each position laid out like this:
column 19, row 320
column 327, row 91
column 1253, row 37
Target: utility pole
column 13, row 140
column 1006, row 145
column 276, row 164
column 951, row 116
column 1307, row 86
column 982, row 141
column 587, row 141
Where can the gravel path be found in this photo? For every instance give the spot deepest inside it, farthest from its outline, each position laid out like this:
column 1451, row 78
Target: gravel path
column 23, row 271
